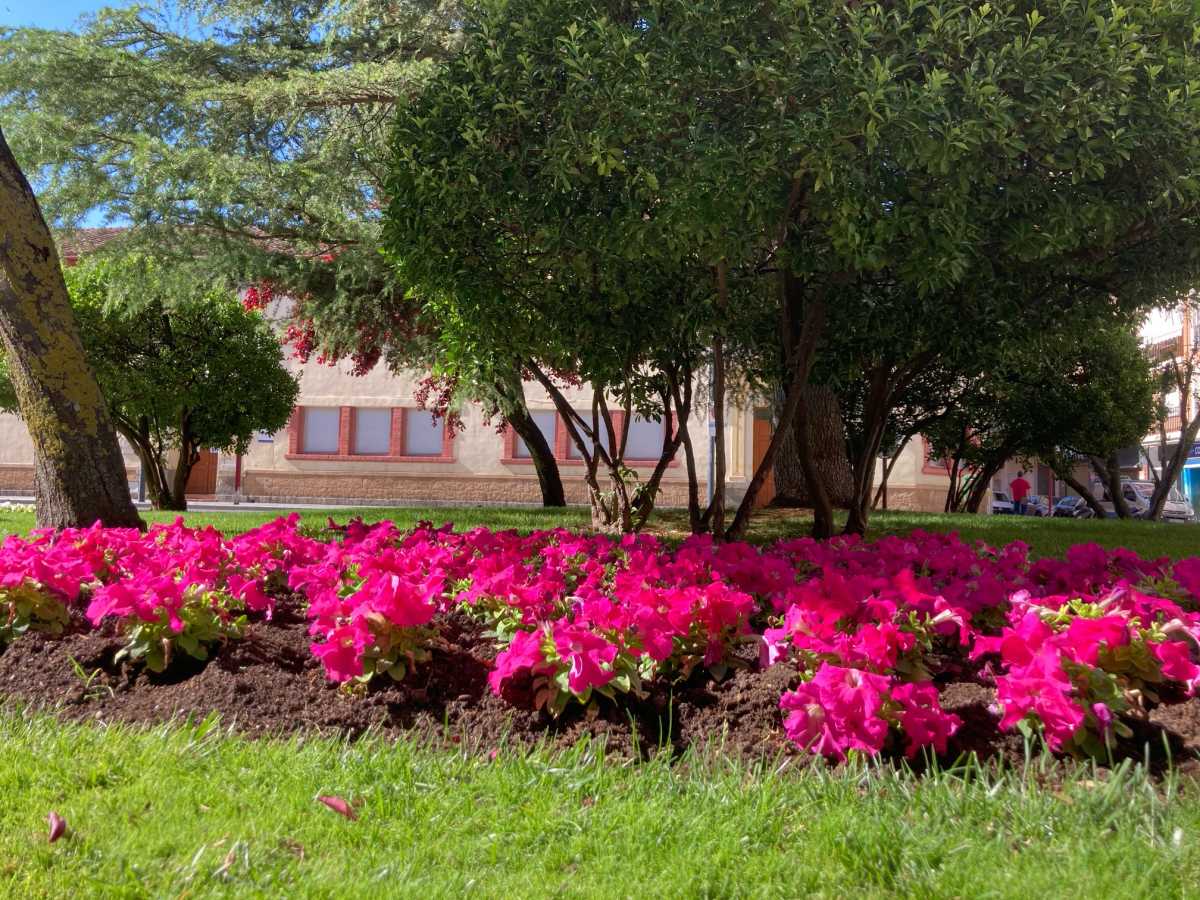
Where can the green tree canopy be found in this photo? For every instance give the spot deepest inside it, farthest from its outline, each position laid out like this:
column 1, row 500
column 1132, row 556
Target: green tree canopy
column 178, row 377
column 900, row 162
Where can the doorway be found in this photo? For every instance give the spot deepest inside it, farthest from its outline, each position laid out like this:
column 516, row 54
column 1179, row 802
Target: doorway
column 202, row 480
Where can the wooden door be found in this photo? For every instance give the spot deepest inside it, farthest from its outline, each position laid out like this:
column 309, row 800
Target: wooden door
column 203, row 477
column 762, row 437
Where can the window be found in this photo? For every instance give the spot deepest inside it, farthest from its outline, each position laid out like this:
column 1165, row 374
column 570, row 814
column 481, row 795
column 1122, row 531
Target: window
column 573, row 451
column 423, row 435
column 321, row 427
column 545, row 420
column 645, row 439
column 372, row 432
column 368, row 434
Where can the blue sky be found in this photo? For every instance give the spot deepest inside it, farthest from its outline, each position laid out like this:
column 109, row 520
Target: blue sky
column 48, row 13
column 52, row 14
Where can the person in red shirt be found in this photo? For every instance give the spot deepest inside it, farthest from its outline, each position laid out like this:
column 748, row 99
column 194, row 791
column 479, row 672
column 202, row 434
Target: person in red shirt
column 1019, row 489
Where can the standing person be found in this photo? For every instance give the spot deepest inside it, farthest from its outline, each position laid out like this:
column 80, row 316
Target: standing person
column 1019, row 489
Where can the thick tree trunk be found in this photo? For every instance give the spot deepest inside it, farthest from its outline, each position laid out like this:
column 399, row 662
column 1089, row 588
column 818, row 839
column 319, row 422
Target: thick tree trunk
column 542, row 455
column 822, row 507
column 800, row 350
column 78, row 470
column 828, row 433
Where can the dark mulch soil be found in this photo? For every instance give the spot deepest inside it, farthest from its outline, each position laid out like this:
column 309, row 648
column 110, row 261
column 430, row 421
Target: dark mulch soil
column 268, row 683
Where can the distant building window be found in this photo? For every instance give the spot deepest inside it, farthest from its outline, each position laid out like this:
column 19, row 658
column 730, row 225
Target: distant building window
column 573, row 451
column 321, row 425
column 372, row 432
column 423, row 435
column 545, row 420
column 645, row 439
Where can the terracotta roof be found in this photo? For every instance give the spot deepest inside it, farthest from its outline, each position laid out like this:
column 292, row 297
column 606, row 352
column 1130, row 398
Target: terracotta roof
column 81, row 241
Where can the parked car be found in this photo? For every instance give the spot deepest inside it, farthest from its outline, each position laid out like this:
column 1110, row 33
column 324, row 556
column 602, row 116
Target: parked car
column 1073, row 508
column 1037, row 505
column 1137, row 495
column 1002, row 504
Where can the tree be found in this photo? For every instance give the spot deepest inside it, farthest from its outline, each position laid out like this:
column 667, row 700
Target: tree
column 247, row 141
column 1081, row 392
column 1177, row 366
column 179, row 378
column 866, row 156
column 78, row 469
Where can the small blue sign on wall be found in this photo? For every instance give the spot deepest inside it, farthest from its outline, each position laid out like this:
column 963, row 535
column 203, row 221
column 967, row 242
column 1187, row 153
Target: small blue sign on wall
column 265, row 437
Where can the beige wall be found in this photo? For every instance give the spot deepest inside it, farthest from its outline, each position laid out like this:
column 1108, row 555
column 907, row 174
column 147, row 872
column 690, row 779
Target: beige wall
column 477, row 472
column 16, row 458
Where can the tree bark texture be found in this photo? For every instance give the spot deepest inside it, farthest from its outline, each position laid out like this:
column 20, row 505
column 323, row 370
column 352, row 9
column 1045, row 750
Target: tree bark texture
column 542, row 455
column 829, row 456
column 1109, row 474
column 78, row 469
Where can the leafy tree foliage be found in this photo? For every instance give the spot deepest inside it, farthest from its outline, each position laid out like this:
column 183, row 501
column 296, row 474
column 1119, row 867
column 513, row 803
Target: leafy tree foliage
column 1080, row 393
column 247, row 142
column 912, row 165
column 179, row 377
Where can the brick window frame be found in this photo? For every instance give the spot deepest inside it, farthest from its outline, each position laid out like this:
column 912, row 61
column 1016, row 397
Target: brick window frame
column 932, row 466
column 345, row 451
column 563, row 445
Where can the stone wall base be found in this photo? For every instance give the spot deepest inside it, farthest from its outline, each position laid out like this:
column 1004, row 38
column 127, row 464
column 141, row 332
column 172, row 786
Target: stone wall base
column 916, row 499
column 377, row 490
column 18, row 481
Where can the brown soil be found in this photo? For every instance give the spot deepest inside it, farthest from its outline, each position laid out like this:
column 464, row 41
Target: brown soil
column 268, row 683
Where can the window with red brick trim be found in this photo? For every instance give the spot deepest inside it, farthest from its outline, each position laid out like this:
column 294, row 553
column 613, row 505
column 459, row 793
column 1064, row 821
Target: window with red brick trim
column 367, row 434
column 644, row 444
column 931, row 465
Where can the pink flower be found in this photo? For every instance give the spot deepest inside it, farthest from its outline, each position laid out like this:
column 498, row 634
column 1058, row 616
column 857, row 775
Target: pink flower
column 1175, row 657
column 588, row 655
column 524, row 654
column 342, row 651
column 1085, row 636
column 922, row 719
column 838, row 711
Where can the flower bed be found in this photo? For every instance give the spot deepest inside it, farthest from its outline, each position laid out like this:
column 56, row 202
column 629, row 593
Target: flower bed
column 858, row 640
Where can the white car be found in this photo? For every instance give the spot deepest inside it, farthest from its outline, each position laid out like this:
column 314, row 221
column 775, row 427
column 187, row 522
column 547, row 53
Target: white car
column 1137, row 495
column 1002, row 504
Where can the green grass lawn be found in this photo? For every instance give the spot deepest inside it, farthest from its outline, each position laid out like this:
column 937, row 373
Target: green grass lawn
column 1046, row 537
column 176, row 812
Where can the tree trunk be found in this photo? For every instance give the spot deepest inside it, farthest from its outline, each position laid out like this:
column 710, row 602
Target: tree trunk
column 153, row 470
column 681, row 395
column 78, row 469
column 981, row 486
column 1068, row 477
column 800, row 351
column 831, row 462
column 1110, row 476
column 1171, row 468
column 542, row 454
column 881, row 491
column 821, row 506
column 717, row 513
column 875, row 413
column 189, row 455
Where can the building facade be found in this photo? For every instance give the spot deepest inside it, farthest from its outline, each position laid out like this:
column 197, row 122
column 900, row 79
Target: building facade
column 362, row 439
